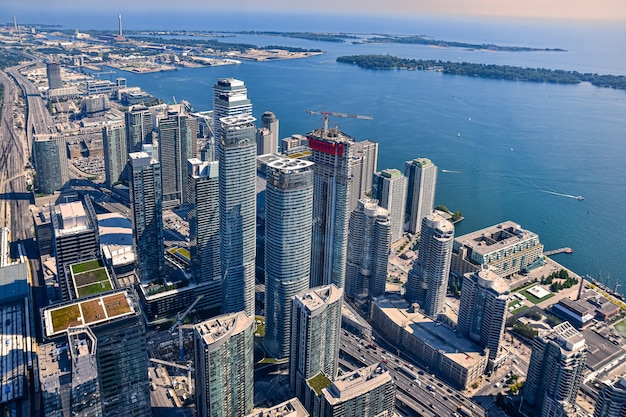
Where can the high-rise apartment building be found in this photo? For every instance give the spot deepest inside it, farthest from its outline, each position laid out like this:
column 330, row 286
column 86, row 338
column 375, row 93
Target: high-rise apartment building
column 50, row 159
column 288, row 213
column 106, row 357
column 237, row 198
column 611, row 401
column 422, row 181
column 556, row 370
column 115, row 151
column 483, row 308
column 270, row 122
column 366, row 157
column 333, row 181
column 75, row 238
column 290, row 408
column 315, row 328
column 204, row 226
column 138, row 127
column 389, row 188
column 428, row 278
column 230, row 98
column 147, row 207
column 53, row 71
column 224, row 362
column 177, row 144
column 369, row 243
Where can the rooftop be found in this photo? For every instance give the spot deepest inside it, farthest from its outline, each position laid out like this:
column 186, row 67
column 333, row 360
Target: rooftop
column 222, row 327
column 90, row 277
column 316, row 298
column 13, row 352
column 13, row 283
column 289, row 408
column 319, row 382
column 495, row 237
column 357, row 382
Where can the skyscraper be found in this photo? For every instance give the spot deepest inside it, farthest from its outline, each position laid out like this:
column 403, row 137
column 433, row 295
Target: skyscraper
column 138, row 127
column 389, row 188
column 224, row 362
column 237, row 197
column 50, row 159
column 288, row 212
column 333, row 181
column 270, row 122
column 146, row 205
column 428, row 278
column 230, row 98
column 422, row 177
column 204, row 225
column 315, row 328
column 366, row 156
column 482, row 313
column 115, row 151
column 611, row 401
column 53, row 71
column 556, row 370
column 177, row 144
column 369, row 243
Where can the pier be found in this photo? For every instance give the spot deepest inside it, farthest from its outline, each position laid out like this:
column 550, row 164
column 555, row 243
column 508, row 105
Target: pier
column 557, row 251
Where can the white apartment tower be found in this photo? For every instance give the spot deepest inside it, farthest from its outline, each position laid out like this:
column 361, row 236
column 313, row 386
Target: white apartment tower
column 389, row 188
column 422, row 181
column 230, row 98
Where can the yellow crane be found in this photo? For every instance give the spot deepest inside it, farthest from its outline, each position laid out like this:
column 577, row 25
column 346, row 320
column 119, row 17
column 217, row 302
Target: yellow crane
column 337, row 114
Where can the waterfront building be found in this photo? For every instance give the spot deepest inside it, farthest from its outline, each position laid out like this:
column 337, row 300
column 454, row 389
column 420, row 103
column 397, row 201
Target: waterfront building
column 75, row 238
column 365, row 392
column 506, row 247
column 288, row 217
column 332, row 151
column 611, row 401
column 556, row 370
column 427, row 281
column 177, row 144
column 289, row 408
column 107, row 351
column 138, row 127
column 115, row 151
column 147, row 215
column 237, row 199
column 482, row 312
column 422, row 181
column 204, row 224
column 53, row 72
column 50, row 160
column 389, row 188
column 369, row 244
column 230, row 98
column 366, row 157
column 315, row 328
column 224, row 362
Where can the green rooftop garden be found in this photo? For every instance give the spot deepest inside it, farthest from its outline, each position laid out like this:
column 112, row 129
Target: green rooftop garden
column 86, row 266
column 95, row 288
column 65, row 317
column 319, row 382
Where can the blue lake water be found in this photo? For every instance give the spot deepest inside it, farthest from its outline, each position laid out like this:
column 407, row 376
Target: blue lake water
column 506, row 150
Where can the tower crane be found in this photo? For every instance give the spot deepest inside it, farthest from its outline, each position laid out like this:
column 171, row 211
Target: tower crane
column 179, row 322
column 337, row 114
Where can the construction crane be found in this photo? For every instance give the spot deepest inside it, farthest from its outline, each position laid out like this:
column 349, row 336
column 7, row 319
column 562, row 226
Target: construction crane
column 187, row 368
column 179, row 322
column 336, row 114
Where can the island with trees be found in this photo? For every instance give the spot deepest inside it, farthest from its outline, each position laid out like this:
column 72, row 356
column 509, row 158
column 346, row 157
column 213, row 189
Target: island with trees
column 425, row 40
column 498, row 72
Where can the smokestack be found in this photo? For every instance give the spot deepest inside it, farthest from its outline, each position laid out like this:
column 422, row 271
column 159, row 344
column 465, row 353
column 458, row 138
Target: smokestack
column 120, row 19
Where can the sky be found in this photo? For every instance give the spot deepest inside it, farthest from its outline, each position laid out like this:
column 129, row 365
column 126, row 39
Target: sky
column 534, row 9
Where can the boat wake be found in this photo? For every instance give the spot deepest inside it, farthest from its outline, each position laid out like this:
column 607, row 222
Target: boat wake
column 449, row 171
column 575, row 197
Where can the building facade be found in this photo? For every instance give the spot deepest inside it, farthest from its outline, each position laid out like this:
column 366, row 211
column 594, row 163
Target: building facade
column 53, row 72
column 289, row 213
column 115, row 151
column 50, row 160
column 138, row 127
column 237, row 199
column 230, row 98
column 422, row 182
column 147, row 209
column 389, row 188
column 427, row 281
column 267, row 135
column 611, row 401
column 224, row 362
column 364, row 167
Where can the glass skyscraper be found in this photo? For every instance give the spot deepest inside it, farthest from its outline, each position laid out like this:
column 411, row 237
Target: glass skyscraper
column 115, row 151
column 230, row 98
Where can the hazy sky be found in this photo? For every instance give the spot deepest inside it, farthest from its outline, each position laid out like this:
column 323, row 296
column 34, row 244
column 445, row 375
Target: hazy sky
column 549, row 9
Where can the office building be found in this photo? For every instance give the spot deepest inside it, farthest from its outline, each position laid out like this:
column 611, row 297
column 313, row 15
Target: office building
column 230, row 98
column 611, row 401
column 289, row 408
column 366, row 392
column 115, row 151
column 427, row 281
column 366, row 157
column 138, row 127
column 422, row 181
column 50, row 159
column 482, row 312
column 53, row 72
column 75, row 238
column 556, row 370
column 288, row 214
column 224, row 362
column 146, row 206
column 107, row 357
column 237, row 198
column 333, row 181
column 506, row 247
column 270, row 122
column 204, row 224
column 389, row 188
column 177, row 144
column 369, row 243
column 315, row 328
